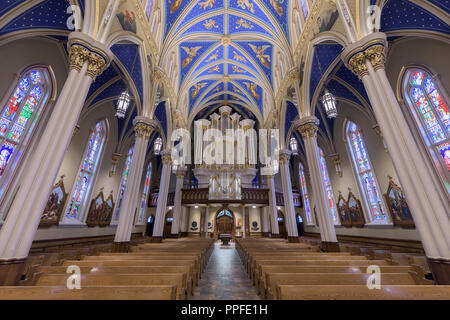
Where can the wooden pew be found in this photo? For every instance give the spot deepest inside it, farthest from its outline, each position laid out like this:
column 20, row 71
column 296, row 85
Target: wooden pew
column 337, row 279
column 160, row 292
column 348, row 292
column 257, row 274
column 189, row 285
column 193, row 272
column 89, row 280
column 264, row 269
column 322, row 257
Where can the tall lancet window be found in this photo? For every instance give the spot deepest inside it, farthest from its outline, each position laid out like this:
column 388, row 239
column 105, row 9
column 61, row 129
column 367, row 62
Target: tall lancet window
column 145, row 194
column 366, row 177
column 305, row 194
column 431, row 113
column 86, row 174
column 123, row 183
column 328, row 189
column 18, row 118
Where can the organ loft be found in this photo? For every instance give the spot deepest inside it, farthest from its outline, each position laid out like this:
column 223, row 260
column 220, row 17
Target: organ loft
column 224, row 150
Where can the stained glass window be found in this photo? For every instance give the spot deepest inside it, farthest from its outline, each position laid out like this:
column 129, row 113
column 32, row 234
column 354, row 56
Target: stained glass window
column 123, row 183
column 18, row 117
column 432, row 116
column 367, row 180
column 86, row 174
column 305, row 194
column 328, row 189
column 145, row 193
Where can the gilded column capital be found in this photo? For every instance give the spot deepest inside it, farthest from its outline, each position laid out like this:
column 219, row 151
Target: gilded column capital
column 81, row 52
column 308, row 126
column 377, row 56
column 144, row 126
column 285, row 156
column 357, row 64
column 181, row 172
column 166, row 157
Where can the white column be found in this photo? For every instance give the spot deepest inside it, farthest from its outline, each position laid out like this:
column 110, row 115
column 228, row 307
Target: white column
column 273, row 209
column 177, row 210
column 87, row 61
column 291, row 225
column 206, row 221
column 244, row 225
column 265, row 220
column 417, row 178
column 308, row 127
column 184, row 219
column 161, row 206
column 143, row 127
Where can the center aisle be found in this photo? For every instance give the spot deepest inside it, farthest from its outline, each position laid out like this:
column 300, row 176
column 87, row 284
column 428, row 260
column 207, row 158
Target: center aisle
column 225, row 278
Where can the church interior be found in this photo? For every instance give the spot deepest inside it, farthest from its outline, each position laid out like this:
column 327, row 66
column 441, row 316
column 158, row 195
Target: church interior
column 225, row 150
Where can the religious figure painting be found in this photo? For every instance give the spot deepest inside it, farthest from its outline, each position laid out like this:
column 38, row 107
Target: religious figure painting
column 107, row 212
column 192, row 53
column 355, row 210
column 344, row 212
column 327, row 20
column 260, row 54
column 398, row 207
column 246, row 4
column 95, row 210
column 175, row 5
column 55, row 205
column 128, row 21
column 276, row 4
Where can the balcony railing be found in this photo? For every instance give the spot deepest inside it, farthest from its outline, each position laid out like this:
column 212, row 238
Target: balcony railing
column 249, row 196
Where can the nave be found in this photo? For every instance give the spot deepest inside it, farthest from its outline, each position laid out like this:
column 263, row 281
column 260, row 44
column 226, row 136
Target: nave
column 250, row 269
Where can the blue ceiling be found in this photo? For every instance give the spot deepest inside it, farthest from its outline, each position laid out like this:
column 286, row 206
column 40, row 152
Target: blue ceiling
column 405, row 15
column 204, row 60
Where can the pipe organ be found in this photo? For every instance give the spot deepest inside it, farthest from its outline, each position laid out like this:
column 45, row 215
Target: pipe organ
column 225, row 153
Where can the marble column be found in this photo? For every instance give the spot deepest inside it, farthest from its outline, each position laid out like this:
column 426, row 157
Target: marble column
column 143, row 128
column 206, row 221
column 161, row 206
column 244, row 224
column 273, row 209
column 308, row 127
column 177, row 210
column 265, row 221
column 88, row 59
column 184, row 221
column 429, row 207
column 291, row 224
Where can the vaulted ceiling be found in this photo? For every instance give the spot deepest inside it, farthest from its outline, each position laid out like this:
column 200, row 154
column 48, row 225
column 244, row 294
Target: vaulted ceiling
column 226, row 50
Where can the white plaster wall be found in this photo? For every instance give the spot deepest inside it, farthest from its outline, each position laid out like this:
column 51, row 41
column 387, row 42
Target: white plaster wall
column 255, row 215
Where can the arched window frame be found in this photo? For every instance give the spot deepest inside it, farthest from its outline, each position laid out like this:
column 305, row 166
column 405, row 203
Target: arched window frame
column 305, row 194
column 328, row 188
column 81, row 215
column 431, row 147
column 123, row 185
column 381, row 215
column 14, row 167
column 145, row 193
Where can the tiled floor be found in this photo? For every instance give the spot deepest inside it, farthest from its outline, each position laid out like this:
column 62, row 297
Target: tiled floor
column 225, row 278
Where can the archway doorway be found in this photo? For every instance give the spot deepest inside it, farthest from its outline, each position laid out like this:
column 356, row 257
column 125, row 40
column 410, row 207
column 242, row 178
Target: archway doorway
column 150, row 225
column 282, row 225
column 168, row 224
column 225, row 223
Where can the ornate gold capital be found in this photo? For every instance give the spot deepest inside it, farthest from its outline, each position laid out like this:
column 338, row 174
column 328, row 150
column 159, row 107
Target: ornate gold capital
column 377, row 56
column 143, row 130
column 80, row 53
column 166, row 157
column 77, row 56
column 308, row 130
column 358, row 66
column 285, row 156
